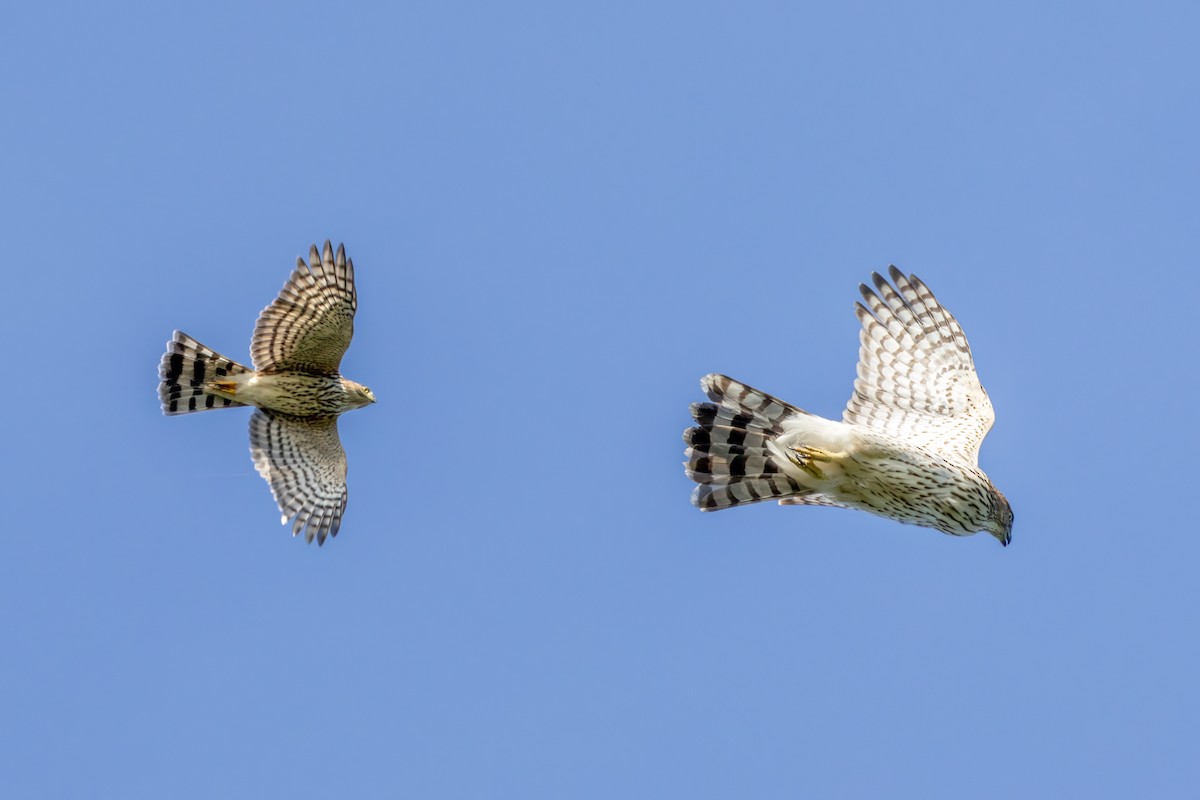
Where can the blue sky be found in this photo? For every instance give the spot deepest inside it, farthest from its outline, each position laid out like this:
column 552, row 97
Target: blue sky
column 562, row 215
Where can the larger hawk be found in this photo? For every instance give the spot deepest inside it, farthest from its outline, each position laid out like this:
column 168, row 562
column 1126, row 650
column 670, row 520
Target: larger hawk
column 297, row 351
column 908, row 444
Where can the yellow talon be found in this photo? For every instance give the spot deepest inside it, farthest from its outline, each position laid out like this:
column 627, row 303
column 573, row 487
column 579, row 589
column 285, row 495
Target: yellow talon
column 812, row 453
column 805, row 456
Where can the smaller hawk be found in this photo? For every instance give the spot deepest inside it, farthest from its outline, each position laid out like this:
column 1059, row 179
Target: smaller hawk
column 297, row 349
column 907, row 447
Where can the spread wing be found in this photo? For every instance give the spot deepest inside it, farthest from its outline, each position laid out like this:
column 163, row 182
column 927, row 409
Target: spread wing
column 303, row 461
column 308, row 327
column 916, row 378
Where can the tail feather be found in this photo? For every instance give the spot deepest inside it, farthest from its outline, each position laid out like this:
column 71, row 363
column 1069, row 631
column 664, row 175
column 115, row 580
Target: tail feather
column 728, row 453
column 186, row 370
column 713, row 434
column 729, row 463
column 713, row 497
column 711, row 414
column 767, row 411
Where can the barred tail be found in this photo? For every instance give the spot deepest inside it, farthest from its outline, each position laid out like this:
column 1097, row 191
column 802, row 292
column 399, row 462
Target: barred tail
column 728, row 452
column 186, row 368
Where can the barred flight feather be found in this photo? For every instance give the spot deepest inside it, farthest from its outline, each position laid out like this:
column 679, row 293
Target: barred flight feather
column 728, row 454
column 309, row 326
column 916, row 377
column 303, row 461
column 185, row 370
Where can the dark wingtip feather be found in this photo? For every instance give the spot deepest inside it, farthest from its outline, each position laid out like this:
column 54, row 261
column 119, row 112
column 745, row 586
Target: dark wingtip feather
column 880, row 281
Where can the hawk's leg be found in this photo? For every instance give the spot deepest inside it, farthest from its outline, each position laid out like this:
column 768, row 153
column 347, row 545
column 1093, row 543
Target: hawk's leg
column 804, row 457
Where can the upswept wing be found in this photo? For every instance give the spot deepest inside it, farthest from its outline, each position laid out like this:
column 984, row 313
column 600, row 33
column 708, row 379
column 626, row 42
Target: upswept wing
column 309, row 326
column 916, row 378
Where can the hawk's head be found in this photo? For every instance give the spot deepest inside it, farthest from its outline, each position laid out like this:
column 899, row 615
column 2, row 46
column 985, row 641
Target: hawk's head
column 1000, row 518
column 357, row 394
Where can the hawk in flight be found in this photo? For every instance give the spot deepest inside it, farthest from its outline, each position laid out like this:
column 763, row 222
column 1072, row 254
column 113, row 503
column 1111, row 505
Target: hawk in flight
column 907, row 447
column 297, row 348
